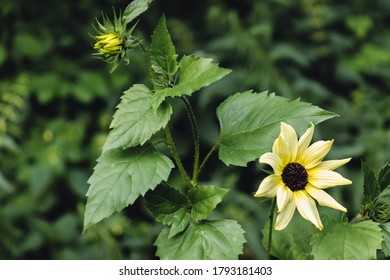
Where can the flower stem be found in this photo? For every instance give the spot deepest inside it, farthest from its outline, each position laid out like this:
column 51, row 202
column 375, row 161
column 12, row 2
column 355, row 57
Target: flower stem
column 213, row 149
column 176, row 157
column 271, row 227
column 195, row 134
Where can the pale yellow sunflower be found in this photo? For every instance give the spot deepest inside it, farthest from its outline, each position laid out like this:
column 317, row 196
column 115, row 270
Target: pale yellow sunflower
column 300, row 176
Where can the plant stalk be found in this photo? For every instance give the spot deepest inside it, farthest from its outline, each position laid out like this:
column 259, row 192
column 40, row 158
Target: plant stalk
column 195, row 134
column 176, row 157
column 271, row 227
column 213, row 149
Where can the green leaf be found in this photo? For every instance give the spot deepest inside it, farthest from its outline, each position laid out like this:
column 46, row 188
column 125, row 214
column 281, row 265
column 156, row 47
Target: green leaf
column 135, row 121
column 384, row 177
column 208, row 240
column 134, row 9
column 163, row 53
column 344, row 241
column 250, row 123
column 204, row 199
column 370, row 184
column 120, row 177
column 169, row 206
column 194, row 74
column 381, row 207
column 291, row 242
column 386, row 238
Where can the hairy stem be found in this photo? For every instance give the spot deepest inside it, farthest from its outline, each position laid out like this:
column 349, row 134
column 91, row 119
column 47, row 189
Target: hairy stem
column 176, row 157
column 195, row 134
column 271, row 227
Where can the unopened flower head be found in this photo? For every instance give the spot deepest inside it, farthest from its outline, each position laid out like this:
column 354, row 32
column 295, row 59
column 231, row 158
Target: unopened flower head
column 300, row 176
column 113, row 39
column 108, row 44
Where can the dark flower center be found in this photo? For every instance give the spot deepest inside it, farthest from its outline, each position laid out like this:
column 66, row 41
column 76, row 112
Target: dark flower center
column 295, row 176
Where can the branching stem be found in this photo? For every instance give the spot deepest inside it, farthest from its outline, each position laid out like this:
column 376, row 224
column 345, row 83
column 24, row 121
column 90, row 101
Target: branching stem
column 195, row 135
column 213, row 149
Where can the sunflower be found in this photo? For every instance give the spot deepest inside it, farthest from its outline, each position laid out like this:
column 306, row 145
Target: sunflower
column 109, row 44
column 300, row 176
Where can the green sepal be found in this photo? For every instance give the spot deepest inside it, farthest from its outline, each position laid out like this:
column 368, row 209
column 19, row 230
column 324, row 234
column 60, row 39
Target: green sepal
column 370, row 184
column 250, row 123
column 208, row 240
column 169, row 207
column 135, row 122
column 384, row 177
column 345, row 241
column 204, row 199
column 120, row 177
column 194, row 73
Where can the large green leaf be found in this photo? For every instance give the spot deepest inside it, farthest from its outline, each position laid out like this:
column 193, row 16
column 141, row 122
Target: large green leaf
column 169, row 206
column 250, row 123
column 194, row 73
column 120, row 177
column 386, row 238
column 291, row 243
column 208, row 240
column 135, row 121
column 204, row 199
column 163, row 53
column 134, row 9
column 344, row 241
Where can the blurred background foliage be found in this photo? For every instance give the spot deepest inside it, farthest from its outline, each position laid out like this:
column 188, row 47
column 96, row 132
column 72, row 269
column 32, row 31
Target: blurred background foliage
column 56, row 103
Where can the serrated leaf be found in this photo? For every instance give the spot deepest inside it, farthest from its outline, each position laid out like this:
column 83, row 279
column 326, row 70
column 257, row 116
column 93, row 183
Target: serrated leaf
column 169, row 207
column 120, row 177
column 135, row 122
column 384, row 177
column 204, row 199
column 291, row 242
column 194, row 73
column 344, row 241
column 250, row 123
column 370, row 185
column 134, row 9
column 386, row 238
column 209, row 240
column 163, row 53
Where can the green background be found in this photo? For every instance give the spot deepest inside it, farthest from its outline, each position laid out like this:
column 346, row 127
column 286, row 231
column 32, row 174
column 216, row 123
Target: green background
column 56, row 103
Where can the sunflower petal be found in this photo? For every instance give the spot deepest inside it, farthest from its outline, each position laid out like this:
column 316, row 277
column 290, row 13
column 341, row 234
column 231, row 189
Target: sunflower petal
column 290, row 137
column 324, row 199
column 307, row 208
column 283, row 196
column 269, row 186
column 304, row 141
column 274, row 161
column 282, row 150
column 323, row 179
column 332, row 164
column 285, row 216
column 315, row 153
